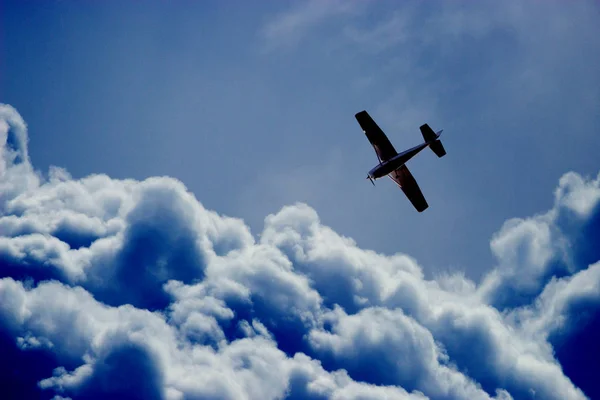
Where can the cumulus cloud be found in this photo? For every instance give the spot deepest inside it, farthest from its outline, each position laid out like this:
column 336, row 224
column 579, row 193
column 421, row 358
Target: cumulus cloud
column 121, row 287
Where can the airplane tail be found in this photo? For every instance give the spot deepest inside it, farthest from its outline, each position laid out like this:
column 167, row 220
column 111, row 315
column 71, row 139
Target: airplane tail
column 432, row 138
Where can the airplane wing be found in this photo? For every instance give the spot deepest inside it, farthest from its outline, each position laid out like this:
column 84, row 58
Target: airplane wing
column 409, row 186
column 384, row 149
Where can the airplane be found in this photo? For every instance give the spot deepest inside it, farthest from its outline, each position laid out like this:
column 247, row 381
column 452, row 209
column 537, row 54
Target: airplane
column 393, row 164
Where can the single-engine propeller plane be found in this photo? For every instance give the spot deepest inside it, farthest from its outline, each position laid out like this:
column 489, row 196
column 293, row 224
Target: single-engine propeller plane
column 392, row 163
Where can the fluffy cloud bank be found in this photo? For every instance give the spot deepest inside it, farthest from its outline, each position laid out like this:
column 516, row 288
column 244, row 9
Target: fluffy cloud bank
column 133, row 289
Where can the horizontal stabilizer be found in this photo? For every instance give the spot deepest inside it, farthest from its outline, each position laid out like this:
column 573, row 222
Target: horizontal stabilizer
column 431, row 137
column 428, row 133
column 438, row 148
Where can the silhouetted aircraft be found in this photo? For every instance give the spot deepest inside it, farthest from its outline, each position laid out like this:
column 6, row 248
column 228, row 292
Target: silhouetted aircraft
column 393, row 164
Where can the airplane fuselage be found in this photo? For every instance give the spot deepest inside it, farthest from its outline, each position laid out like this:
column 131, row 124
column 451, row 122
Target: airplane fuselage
column 395, row 162
column 392, row 164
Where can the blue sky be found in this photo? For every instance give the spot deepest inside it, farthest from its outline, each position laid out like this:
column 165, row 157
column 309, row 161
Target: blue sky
column 252, row 106
column 248, row 109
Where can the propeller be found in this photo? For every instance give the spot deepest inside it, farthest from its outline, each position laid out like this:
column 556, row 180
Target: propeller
column 371, row 179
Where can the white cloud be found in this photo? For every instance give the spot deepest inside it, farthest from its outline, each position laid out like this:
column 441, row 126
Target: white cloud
column 533, row 250
column 577, row 195
column 288, row 27
column 15, row 169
